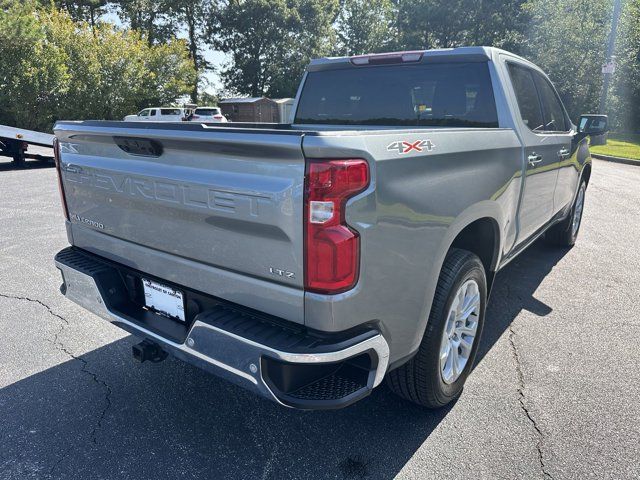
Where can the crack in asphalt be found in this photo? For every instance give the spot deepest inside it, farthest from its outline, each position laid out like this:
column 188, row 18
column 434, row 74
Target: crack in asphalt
column 84, row 368
column 523, row 405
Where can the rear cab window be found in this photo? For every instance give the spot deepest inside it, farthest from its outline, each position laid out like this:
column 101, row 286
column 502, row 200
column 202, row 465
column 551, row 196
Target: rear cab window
column 438, row 94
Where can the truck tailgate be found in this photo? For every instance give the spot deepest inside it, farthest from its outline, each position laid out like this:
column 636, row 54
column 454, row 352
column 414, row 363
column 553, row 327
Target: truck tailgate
column 225, row 198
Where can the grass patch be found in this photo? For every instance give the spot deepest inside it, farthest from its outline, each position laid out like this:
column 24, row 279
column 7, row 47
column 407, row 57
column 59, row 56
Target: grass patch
column 620, row 145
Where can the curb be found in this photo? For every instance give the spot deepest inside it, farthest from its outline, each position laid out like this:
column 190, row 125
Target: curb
column 626, row 161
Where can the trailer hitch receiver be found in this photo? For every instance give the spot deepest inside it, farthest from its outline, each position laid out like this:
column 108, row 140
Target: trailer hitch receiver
column 148, row 350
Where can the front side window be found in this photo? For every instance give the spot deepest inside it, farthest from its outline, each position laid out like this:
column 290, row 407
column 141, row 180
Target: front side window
column 554, row 116
column 527, row 96
column 437, row 94
column 144, row 113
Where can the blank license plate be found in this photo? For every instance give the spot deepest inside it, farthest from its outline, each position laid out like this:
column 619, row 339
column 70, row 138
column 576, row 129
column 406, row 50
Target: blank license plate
column 163, row 299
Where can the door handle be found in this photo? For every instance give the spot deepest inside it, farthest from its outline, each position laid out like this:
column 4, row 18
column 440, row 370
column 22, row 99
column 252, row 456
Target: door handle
column 534, row 159
column 564, row 152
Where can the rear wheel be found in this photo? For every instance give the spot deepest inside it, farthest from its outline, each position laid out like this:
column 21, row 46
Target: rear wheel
column 436, row 374
column 565, row 233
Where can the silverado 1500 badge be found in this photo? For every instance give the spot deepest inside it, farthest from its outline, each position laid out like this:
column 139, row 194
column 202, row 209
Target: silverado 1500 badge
column 88, row 221
column 408, row 147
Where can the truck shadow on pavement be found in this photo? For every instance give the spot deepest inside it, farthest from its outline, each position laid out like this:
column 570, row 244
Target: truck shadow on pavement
column 6, row 165
column 104, row 416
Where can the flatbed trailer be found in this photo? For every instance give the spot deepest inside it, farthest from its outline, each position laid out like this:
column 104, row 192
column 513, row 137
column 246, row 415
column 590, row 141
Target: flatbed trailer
column 14, row 143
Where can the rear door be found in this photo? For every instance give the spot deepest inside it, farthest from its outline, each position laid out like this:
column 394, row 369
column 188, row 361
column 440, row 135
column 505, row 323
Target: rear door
column 540, row 153
column 558, row 142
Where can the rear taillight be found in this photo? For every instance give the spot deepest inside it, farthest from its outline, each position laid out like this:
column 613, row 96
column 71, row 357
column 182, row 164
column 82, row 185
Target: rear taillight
column 217, row 117
column 56, row 157
column 332, row 248
column 195, row 116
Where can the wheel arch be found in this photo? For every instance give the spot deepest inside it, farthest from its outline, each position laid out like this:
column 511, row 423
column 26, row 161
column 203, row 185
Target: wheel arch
column 481, row 237
column 480, row 220
column 480, row 230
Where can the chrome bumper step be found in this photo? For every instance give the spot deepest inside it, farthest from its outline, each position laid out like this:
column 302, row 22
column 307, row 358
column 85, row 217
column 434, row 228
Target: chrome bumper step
column 274, row 358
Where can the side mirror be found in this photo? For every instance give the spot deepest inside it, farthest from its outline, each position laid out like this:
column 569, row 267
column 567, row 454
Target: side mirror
column 594, row 126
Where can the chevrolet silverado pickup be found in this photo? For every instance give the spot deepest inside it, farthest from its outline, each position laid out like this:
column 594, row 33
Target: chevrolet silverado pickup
column 309, row 261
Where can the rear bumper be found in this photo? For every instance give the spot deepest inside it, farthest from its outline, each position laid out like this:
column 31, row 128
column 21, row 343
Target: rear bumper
column 287, row 363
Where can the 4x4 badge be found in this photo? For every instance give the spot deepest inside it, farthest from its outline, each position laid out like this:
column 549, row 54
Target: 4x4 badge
column 408, row 147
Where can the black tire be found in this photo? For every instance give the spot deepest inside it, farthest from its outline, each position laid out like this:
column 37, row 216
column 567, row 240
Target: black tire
column 420, row 379
column 563, row 234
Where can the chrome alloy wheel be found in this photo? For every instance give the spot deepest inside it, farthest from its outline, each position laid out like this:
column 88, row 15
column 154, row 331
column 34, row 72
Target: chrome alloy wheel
column 577, row 212
column 459, row 331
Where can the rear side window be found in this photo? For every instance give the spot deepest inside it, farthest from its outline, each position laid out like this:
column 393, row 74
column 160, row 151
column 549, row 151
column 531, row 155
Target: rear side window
column 554, row 116
column 170, row 111
column 445, row 94
column 527, row 95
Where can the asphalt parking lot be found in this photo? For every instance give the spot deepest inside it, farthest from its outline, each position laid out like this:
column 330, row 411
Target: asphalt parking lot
column 554, row 393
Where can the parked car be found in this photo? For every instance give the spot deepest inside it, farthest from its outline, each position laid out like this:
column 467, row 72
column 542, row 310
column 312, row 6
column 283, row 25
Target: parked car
column 208, row 115
column 164, row 114
column 306, row 262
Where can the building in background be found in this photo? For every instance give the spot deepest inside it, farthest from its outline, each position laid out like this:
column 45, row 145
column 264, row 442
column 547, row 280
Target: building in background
column 251, row 109
column 285, row 107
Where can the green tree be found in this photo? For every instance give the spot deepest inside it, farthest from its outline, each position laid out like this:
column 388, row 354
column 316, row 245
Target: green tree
column 365, row 26
column 192, row 16
column 625, row 104
column 208, row 99
column 54, row 68
column 567, row 40
column 271, row 41
column 33, row 71
column 81, row 10
column 115, row 72
column 149, row 17
column 453, row 23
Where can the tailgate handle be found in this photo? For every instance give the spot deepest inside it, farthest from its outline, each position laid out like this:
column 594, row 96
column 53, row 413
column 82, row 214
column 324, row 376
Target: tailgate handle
column 139, row 146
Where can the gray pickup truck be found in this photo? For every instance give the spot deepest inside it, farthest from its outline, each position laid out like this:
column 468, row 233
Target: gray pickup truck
column 309, row 261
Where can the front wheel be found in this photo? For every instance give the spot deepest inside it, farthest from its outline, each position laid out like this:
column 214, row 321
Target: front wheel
column 436, row 374
column 565, row 233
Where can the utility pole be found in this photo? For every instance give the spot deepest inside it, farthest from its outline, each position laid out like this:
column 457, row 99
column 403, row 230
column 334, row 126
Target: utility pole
column 609, row 67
